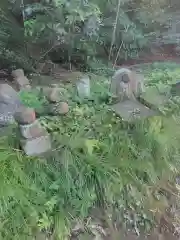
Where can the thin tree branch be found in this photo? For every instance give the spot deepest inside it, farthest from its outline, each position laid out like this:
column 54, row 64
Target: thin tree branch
column 117, row 55
column 114, row 30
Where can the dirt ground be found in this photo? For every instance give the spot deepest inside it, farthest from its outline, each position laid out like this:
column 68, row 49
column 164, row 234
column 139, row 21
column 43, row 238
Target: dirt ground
column 128, row 236
column 167, row 236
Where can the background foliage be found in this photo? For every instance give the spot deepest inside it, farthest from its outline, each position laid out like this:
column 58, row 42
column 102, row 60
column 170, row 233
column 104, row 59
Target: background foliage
column 81, row 30
column 13, row 49
column 97, row 161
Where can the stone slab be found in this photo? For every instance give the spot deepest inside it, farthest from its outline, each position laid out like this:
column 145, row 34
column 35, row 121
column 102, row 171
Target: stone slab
column 32, row 130
column 22, row 81
column 131, row 110
column 36, row 146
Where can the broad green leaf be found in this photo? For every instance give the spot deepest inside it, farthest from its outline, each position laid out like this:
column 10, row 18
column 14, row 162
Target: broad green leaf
column 91, row 144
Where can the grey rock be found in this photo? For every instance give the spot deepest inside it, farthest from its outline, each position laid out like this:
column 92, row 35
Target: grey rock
column 22, row 82
column 25, row 115
column 36, row 146
column 32, row 130
column 8, row 95
column 83, row 87
column 6, row 119
column 20, row 79
column 17, row 73
column 7, row 113
column 54, row 95
column 60, row 108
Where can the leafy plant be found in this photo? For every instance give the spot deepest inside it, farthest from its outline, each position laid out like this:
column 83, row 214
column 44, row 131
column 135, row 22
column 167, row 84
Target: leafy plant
column 85, row 29
column 105, row 161
column 32, row 99
column 78, row 31
column 13, row 51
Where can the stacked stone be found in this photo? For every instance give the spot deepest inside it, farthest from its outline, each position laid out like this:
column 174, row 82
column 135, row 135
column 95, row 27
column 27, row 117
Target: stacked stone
column 54, row 96
column 34, row 138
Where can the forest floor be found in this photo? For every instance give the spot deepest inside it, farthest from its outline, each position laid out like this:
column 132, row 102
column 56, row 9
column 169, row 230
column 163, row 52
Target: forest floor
column 101, row 151
column 164, row 230
column 118, row 233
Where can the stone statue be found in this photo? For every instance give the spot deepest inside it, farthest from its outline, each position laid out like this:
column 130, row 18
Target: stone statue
column 126, row 84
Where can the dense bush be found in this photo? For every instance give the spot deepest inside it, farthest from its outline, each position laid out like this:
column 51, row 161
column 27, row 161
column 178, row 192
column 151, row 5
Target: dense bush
column 13, row 48
column 82, row 30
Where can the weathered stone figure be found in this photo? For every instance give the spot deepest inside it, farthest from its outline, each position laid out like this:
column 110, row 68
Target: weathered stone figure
column 126, row 84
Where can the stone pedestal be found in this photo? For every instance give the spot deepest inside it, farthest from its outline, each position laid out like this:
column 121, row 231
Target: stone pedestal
column 33, row 130
column 128, row 86
column 132, row 110
column 36, row 146
column 35, row 139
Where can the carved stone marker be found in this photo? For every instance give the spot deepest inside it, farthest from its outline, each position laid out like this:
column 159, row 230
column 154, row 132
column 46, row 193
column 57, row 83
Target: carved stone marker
column 127, row 86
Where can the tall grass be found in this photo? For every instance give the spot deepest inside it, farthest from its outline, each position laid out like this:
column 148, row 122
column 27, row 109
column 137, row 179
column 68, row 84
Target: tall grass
column 97, row 161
